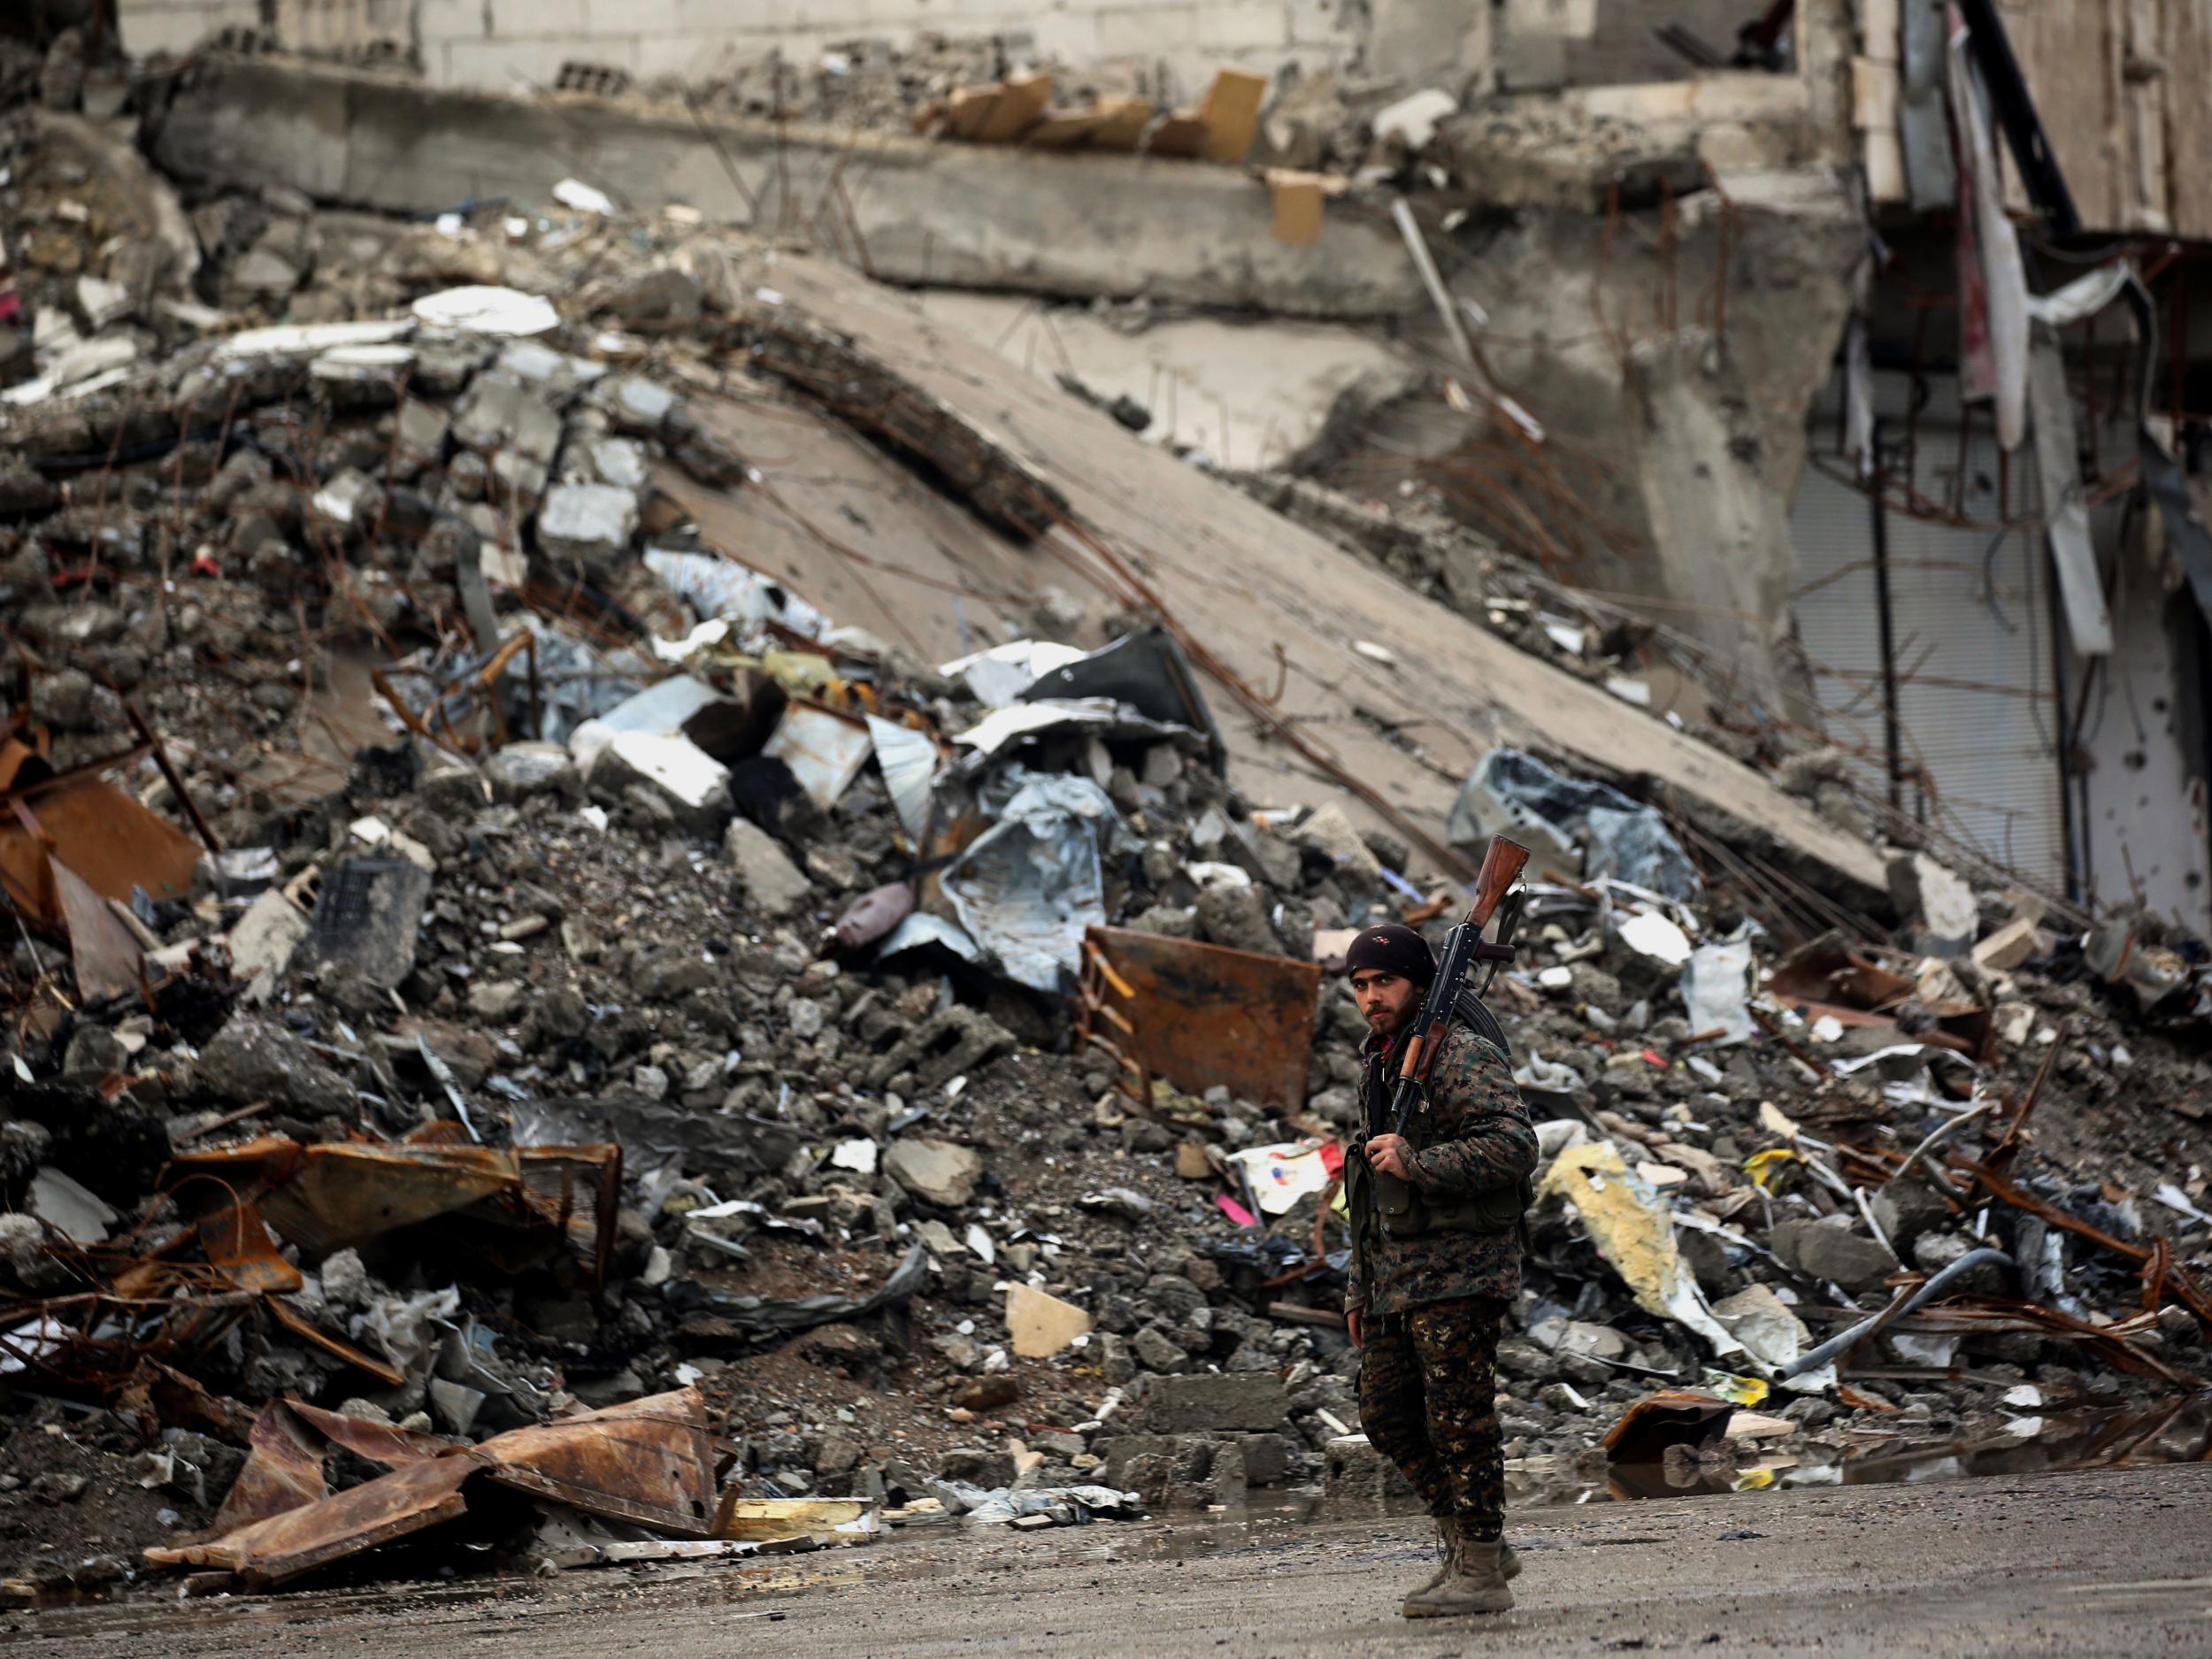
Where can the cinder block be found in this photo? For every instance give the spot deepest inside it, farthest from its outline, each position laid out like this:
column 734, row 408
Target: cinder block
column 536, row 20
column 1070, row 36
column 517, row 65
column 177, row 28
column 1245, row 26
column 690, row 53
column 442, row 21
column 641, row 20
column 762, row 18
column 1148, row 31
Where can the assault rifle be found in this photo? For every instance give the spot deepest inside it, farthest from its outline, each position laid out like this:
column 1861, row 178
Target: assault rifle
column 1464, row 947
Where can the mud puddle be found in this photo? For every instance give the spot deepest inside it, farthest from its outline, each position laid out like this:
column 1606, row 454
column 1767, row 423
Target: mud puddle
column 2177, row 1432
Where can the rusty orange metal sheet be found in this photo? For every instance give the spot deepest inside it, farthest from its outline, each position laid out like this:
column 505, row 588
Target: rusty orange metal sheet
column 104, row 835
column 1200, row 1015
column 105, row 958
column 330, row 1197
column 298, row 1541
column 284, row 1471
column 650, row 1461
column 307, row 1330
column 235, row 1239
column 382, row 1443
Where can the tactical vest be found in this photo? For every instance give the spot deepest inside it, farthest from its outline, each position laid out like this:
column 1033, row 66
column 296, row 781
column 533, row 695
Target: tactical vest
column 1406, row 1212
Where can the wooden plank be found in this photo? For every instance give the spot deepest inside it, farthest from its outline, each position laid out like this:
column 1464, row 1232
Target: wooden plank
column 1297, row 198
column 1181, row 135
column 1021, row 103
column 968, row 108
column 1122, row 121
column 1066, row 130
column 1231, row 115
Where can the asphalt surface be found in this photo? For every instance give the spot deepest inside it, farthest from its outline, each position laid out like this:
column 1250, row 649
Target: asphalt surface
column 2116, row 1560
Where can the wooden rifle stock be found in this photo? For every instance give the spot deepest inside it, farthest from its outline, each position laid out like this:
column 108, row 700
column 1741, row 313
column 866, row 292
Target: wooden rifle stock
column 1502, row 863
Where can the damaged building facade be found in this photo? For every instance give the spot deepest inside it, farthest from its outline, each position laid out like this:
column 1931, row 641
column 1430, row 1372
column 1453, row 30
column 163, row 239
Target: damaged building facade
column 1688, row 262
column 687, row 756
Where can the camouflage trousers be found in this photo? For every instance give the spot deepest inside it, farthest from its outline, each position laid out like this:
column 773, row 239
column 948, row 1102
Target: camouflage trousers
column 1428, row 1399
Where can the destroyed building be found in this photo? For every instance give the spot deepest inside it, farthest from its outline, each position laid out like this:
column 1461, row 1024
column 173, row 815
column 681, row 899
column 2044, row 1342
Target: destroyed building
column 692, row 719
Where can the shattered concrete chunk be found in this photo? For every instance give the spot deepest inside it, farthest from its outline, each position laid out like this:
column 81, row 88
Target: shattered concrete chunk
column 1821, row 1250
column 253, row 1059
column 1179, row 1405
column 942, row 1172
column 774, row 885
column 500, row 413
column 591, row 523
column 367, row 917
column 1938, row 900
column 693, row 784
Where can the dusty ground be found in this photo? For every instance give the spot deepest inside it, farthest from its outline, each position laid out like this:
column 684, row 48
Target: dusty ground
column 2109, row 1562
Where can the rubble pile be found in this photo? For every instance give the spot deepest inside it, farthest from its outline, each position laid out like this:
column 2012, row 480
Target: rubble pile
column 491, row 970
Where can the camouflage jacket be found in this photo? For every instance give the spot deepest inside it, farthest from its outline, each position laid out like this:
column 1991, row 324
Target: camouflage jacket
column 1471, row 1135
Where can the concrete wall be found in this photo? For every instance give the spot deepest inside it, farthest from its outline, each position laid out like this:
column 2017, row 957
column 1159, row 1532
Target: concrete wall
column 509, row 45
column 941, row 215
column 177, row 26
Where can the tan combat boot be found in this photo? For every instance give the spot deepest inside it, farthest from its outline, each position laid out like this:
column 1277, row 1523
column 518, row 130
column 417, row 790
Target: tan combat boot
column 1447, row 1546
column 1475, row 1584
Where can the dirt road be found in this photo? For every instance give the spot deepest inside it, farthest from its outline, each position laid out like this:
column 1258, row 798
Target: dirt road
column 2110, row 1561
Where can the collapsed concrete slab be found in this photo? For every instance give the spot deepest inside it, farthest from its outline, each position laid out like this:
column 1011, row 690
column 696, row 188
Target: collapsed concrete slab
column 951, row 215
column 1240, row 580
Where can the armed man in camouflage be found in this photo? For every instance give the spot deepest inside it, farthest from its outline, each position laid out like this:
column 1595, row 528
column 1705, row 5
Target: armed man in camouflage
column 1436, row 1261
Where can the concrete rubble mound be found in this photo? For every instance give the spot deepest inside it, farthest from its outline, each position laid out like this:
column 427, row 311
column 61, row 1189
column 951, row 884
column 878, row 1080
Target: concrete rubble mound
column 528, row 1025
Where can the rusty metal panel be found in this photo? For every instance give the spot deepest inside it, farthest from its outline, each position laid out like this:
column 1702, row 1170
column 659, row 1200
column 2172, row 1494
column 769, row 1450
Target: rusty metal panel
column 107, row 837
column 285, row 1546
column 1200, row 1015
column 307, row 1330
column 283, row 1472
column 379, row 1442
column 649, row 1461
column 329, row 1196
column 105, row 958
column 235, row 1241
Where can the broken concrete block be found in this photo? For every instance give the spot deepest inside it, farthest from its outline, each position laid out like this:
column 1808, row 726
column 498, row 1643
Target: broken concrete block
column 1263, row 857
column 1328, row 831
column 1042, row 1325
column 262, row 941
column 1937, row 901
column 423, row 431
column 2008, row 947
column 774, row 885
column 73, row 1211
column 496, row 1000
column 525, row 769
column 728, row 728
column 350, row 498
column 1821, row 1249
column 1412, row 120
column 635, row 404
column 366, row 918
column 592, row 523
column 1231, row 1400
column 694, row 784
column 500, row 414
column 252, row 1060
column 619, row 462
column 941, row 1173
